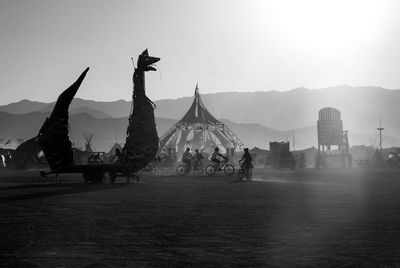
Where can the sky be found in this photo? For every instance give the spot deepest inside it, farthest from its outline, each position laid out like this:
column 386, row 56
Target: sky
column 223, row 45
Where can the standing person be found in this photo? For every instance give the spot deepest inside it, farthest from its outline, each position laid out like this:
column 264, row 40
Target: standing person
column 215, row 155
column 247, row 160
column 187, row 159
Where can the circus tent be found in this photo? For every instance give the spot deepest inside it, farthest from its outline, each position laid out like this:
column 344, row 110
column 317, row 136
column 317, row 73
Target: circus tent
column 199, row 129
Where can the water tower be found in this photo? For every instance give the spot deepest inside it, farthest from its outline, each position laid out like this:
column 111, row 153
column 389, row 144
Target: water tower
column 330, row 133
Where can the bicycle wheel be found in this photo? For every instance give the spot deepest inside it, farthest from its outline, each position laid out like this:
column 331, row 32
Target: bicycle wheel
column 241, row 174
column 181, row 170
column 249, row 175
column 229, row 169
column 210, row 170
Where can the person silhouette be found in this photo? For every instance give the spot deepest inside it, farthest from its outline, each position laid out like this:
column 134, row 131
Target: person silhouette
column 187, row 158
column 215, row 157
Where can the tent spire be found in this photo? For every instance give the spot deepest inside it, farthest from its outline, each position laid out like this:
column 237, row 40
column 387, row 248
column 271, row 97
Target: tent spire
column 196, row 97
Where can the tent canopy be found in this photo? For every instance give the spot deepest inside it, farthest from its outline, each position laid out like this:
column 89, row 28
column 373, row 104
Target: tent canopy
column 199, row 129
column 197, row 112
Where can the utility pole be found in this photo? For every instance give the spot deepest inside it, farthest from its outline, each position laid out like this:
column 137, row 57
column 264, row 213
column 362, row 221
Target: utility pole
column 380, row 128
column 294, row 141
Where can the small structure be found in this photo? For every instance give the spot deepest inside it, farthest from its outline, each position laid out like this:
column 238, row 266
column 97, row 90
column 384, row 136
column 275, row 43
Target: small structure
column 392, row 157
column 6, row 157
column 259, row 157
column 362, row 155
column 305, row 158
column 111, row 153
column 199, row 129
column 114, row 147
column 281, row 155
column 88, row 141
column 330, row 133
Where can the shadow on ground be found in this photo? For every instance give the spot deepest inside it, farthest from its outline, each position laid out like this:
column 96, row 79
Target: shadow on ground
column 56, row 190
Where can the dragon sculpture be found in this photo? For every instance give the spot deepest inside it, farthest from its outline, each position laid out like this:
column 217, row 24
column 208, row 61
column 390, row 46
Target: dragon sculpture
column 142, row 139
column 53, row 135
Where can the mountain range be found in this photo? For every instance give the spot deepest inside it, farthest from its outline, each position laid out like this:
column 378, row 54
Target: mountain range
column 256, row 117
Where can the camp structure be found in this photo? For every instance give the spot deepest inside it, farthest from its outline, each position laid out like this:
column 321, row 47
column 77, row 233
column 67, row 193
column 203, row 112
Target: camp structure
column 199, row 129
column 281, row 155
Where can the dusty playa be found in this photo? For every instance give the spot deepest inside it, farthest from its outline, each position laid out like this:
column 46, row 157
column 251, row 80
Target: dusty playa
column 287, row 218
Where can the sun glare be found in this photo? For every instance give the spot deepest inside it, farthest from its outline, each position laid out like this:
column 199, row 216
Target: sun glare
column 326, row 26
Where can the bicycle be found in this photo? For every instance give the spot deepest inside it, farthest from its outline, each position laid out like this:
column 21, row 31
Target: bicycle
column 223, row 165
column 183, row 169
column 245, row 173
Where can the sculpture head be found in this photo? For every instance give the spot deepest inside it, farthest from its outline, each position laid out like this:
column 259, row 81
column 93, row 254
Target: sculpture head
column 145, row 62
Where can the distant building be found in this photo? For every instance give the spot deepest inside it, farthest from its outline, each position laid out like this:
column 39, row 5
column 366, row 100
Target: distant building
column 362, row 155
column 111, row 153
column 281, row 155
column 330, row 133
column 113, row 148
column 305, row 158
column 260, row 157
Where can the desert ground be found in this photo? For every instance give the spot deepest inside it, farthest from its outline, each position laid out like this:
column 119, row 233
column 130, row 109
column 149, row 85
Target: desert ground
column 303, row 218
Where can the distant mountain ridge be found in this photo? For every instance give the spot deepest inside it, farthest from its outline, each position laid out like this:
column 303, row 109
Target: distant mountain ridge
column 23, row 107
column 276, row 113
column 117, row 109
column 107, row 131
column 361, row 107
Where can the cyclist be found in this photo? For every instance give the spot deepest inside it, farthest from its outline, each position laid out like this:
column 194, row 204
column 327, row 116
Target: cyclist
column 187, row 158
column 247, row 160
column 198, row 159
column 214, row 157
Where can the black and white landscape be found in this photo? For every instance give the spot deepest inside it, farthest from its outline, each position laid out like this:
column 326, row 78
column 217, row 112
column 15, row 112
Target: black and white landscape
column 219, row 80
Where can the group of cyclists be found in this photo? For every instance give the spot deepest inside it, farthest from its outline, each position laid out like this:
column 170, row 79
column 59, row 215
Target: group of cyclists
column 197, row 159
column 195, row 162
column 216, row 158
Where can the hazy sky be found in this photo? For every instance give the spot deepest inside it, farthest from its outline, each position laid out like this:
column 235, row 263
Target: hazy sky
column 223, row 45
